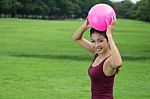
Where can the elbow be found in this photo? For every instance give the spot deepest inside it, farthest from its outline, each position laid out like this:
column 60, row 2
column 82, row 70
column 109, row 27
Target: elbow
column 75, row 38
column 119, row 64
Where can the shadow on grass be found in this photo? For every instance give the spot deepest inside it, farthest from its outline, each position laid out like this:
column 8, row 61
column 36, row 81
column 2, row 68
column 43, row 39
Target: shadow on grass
column 78, row 58
column 60, row 57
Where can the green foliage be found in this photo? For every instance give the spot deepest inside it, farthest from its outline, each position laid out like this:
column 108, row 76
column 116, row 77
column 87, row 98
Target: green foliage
column 63, row 9
column 140, row 10
column 143, row 10
column 124, row 8
column 52, row 8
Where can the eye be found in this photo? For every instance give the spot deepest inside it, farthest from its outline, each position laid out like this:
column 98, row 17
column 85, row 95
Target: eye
column 100, row 40
column 92, row 41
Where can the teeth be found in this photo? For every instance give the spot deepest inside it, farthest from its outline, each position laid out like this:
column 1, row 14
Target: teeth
column 98, row 49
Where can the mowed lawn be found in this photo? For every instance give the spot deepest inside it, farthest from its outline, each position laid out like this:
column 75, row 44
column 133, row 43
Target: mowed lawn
column 39, row 60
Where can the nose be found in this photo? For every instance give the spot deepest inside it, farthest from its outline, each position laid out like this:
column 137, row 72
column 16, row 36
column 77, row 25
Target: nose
column 97, row 44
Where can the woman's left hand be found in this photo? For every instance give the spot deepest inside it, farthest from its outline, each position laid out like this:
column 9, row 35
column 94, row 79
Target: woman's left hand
column 111, row 27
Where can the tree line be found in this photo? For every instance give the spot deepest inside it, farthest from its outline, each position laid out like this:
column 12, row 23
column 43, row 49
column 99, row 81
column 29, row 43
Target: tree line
column 64, row 9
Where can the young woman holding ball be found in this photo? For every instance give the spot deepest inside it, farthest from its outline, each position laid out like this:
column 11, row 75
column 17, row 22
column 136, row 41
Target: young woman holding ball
column 107, row 59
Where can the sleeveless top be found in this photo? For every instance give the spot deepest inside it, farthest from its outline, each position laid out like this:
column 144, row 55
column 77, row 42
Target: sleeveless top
column 101, row 85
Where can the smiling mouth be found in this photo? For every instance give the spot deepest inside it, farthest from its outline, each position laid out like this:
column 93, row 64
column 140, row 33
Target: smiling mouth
column 98, row 49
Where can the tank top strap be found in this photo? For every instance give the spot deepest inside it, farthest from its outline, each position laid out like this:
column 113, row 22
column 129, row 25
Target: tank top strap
column 105, row 59
column 97, row 55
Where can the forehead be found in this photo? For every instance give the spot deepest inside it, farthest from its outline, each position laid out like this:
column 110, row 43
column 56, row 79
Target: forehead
column 96, row 36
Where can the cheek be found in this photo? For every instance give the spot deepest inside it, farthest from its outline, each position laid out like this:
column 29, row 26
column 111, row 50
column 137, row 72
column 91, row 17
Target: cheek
column 106, row 44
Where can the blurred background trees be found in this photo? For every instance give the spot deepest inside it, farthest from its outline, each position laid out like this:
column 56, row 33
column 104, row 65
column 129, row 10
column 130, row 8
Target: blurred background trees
column 64, row 9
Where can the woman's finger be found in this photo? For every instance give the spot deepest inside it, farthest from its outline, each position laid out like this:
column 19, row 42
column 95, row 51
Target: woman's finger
column 107, row 23
column 112, row 20
column 115, row 19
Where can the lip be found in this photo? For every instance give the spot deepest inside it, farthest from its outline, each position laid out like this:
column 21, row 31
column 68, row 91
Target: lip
column 98, row 49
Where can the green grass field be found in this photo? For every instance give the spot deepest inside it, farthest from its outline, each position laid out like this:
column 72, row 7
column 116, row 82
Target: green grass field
column 39, row 60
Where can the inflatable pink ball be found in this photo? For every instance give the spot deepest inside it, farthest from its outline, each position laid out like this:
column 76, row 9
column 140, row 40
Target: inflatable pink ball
column 98, row 14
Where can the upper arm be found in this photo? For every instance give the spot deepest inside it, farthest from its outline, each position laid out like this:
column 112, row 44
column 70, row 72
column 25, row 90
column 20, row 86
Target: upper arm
column 111, row 63
column 86, row 44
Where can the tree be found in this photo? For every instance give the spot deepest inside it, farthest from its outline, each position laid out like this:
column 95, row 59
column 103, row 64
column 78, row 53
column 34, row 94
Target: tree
column 5, row 6
column 53, row 9
column 26, row 8
column 143, row 10
column 124, row 9
column 39, row 8
column 15, row 7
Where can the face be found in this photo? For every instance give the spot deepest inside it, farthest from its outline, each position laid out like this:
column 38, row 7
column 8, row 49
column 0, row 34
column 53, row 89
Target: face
column 99, row 43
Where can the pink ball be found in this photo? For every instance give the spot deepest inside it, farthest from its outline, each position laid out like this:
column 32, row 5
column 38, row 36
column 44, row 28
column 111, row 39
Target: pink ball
column 98, row 14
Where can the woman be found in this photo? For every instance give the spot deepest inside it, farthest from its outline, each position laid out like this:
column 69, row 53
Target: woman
column 107, row 59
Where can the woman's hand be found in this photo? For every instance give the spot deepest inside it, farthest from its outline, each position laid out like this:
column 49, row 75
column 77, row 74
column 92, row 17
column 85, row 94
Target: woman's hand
column 111, row 27
column 86, row 24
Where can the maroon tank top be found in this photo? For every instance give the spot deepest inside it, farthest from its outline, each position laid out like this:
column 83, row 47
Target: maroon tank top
column 101, row 85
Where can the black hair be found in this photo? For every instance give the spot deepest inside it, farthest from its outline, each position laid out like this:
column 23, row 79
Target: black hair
column 103, row 33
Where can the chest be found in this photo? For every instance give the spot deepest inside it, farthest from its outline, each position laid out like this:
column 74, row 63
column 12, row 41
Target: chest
column 96, row 73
